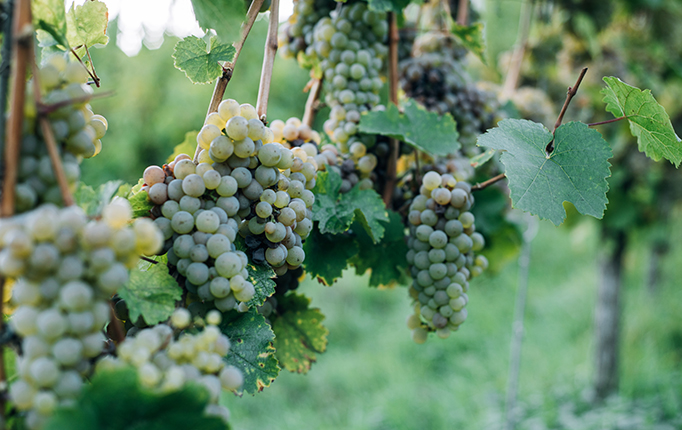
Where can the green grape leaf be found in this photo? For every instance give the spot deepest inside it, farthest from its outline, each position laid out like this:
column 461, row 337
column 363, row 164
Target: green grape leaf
column 482, row 158
column 86, row 25
column 649, row 122
column 369, row 211
column 252, row 350
column 333, row 217
column 327, row 255
column 93, row 201
column 115, row 400
column 299, row 333
column 421, row 129
column 139, row 200
column 472, row 38
column 386, row 260
column 388, row 5
column 335, row 212
column 260, row 275
column 223, row 16
column 49, row 18
column 575, row 171
column 200, row 65
column 188, row 146
column 151, row 294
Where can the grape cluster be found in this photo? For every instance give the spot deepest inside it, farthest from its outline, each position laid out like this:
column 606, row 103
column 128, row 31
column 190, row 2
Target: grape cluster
column 243, row 187
column 349, row 45
column 296, row 35
column 76, row 129
column 436, row 78
column 293, row 133
column 442, row 255
column 66, row 268
column 165, row 364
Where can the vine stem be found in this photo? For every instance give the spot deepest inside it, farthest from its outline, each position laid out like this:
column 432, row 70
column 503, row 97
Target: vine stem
column 572, row 91
column 148, row 260
column 393, row 96
column 311, row 103
column 93, row 75
column 268, row 62
column 489, row 182
column 517, row 325
column 228, row 68
column 5, row 68
column 463, row 12
column 511, row 81
column 22, row 39
column 50, row 141
column 608, row 121
column 116, row 328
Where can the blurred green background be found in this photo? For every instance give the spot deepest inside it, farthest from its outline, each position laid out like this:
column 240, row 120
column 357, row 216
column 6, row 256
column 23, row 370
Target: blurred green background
column 373, row 376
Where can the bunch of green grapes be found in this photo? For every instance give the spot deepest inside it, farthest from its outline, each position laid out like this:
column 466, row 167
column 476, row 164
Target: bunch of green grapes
column 76, row 129
column 296, row 35
column 443, row 243
column 165, row 364
column 437, row 79
column 350, row 47
column 241, row 186
column 66, row 268
column 300, row 137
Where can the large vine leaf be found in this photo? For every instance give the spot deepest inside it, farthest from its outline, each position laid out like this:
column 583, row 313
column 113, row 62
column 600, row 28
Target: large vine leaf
column 49, row 18
column 200, row 61
column 260, row 275
column 424, row 130
column 87, row 24
column 93, row 201
column 649, row 121
column 327, row 255
column 335, row 212
column 252, row 350
column 114, row 400
column 575, row 171
column 471, row 37
column 299, row 332
column 151, row 294
column 223, row 16
column 386, row 260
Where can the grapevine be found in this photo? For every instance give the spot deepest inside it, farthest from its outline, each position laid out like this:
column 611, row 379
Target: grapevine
column 187, row 283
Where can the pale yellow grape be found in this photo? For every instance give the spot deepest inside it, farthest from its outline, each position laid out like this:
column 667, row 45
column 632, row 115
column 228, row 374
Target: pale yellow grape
column 290, row 132
column 118, row 213
column 181, row 318
column 256, row 129
column 419, row 335
column 207, row 134
column 215, row 119
column 204, row 157
column 248, row 111
column 228, row 108
column 431, row 180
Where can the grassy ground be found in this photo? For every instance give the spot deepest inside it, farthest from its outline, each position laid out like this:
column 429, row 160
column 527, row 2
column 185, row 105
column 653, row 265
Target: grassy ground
column 374, row 377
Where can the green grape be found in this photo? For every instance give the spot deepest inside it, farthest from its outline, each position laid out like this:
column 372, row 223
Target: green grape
column 237, row 128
